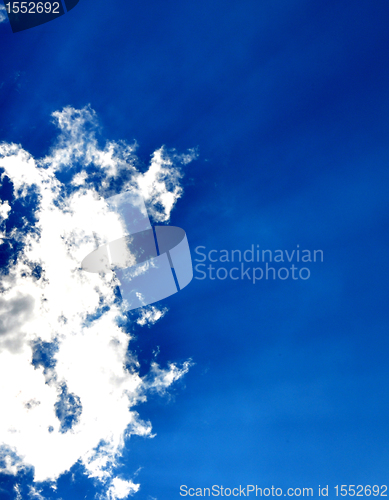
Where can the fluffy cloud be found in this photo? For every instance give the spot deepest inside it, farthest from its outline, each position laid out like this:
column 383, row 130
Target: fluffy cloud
column 121, row 489
column 68, row 378
column 4, row 209
column 116, row 165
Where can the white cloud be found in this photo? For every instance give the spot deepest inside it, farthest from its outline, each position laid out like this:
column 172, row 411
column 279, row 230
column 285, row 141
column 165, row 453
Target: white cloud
column 161, row 379
column 34, row 494
column 150, row 315
column 76, row 405
column 17, row 491
column 153, row 185
column 159, row 185
column 121, row 489
column 4, row 210
column 3, row 14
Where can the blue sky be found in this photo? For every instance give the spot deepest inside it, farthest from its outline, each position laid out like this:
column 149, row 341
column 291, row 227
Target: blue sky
column 287, row 103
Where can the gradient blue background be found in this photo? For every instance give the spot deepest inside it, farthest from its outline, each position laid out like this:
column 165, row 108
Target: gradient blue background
column 288, row 102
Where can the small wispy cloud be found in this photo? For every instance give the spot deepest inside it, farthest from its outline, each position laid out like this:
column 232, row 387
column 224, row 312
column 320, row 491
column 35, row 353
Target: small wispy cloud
column 3, row 14
column 34, row 494
column 65, row 387
column 150, row 315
